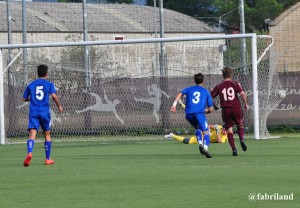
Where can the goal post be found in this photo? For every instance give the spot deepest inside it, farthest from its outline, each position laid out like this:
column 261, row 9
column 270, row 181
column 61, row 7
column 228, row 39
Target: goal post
column 255, row 88
column 141, row 103
column 2, row 119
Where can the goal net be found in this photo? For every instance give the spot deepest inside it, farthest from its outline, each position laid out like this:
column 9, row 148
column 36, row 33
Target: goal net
column 125, row 90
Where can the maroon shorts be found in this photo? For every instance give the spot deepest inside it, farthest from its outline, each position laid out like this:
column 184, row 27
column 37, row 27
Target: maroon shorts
column 232, row 116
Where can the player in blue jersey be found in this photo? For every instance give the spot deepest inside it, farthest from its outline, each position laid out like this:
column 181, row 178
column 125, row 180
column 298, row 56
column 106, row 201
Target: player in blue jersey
column 198, row 103
column 37, row 93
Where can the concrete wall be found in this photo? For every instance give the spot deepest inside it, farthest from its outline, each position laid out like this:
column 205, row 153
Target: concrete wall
column 134, row 60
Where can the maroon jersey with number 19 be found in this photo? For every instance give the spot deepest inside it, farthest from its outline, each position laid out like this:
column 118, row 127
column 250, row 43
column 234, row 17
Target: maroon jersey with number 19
column 227, row 91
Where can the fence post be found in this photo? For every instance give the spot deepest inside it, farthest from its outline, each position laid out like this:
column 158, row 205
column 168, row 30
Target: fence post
column 2, row 121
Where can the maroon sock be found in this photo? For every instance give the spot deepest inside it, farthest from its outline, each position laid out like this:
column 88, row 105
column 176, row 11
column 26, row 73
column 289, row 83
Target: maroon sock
column 240, row 132
column 231, row 140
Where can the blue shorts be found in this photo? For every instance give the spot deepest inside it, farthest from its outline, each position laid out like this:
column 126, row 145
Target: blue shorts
column 39, row 119
column 198, row 121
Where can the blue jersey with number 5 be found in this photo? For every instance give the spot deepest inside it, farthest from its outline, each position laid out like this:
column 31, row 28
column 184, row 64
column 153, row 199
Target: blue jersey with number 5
column 38, row 91
column 197, row 99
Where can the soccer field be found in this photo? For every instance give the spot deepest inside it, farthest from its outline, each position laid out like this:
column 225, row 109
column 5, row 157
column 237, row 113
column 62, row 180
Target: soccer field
column 153, row 173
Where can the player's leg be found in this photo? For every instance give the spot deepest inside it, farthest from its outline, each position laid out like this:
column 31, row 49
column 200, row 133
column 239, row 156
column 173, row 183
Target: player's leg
column 178, row 138
column 203, row 148
column 206, row 139
column 30, row 141
column 231, row 141
column 45, row 124
column 48, row 147
column 174, row 136
column 204, row 128
column 30, row 146
column 192, row 140
column 33, row 126
column 199, row 136
column 192, row 119
column 240, row 127
column 226, row 116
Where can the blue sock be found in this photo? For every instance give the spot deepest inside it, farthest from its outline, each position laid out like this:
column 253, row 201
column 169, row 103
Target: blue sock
column 199, row 136
column 206, row 139
column 47, row 149
column 30, row 145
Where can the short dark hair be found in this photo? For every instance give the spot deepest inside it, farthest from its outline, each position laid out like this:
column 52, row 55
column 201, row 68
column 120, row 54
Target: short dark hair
column 198, row 78
column 42, row 70
column 227, row 72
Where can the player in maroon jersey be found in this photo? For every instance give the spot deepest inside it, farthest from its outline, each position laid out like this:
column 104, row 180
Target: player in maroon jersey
column 232, row 112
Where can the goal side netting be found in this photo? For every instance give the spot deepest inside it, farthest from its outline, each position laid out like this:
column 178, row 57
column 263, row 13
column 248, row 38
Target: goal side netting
column 117, row 90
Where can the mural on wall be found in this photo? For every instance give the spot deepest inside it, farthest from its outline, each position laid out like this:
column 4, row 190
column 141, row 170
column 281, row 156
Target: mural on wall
column 109, row 106
column 155, row 99
column 54, row 117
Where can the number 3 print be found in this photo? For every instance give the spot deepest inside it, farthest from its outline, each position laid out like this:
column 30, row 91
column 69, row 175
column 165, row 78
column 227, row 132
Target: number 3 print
column 196, row 98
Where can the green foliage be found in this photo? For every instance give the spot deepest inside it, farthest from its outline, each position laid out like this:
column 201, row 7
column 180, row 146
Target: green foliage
column 183, row 6
column 288, row 3
column 266, row 9
column 228, row 10
column 254, row 16
column 283, row 129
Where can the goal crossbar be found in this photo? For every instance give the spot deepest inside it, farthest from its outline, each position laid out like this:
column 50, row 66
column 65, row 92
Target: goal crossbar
column 128, row 41
column 252, row 36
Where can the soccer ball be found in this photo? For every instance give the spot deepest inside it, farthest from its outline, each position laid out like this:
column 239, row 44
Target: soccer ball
column 281, row 93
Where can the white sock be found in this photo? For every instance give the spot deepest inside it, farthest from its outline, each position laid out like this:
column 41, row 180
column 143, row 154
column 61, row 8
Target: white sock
column 205, row 147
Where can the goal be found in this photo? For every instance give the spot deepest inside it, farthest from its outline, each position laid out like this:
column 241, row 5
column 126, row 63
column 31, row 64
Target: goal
column 125, row 88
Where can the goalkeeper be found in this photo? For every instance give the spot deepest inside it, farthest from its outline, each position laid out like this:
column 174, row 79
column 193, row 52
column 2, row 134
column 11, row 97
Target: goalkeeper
column 217, row 135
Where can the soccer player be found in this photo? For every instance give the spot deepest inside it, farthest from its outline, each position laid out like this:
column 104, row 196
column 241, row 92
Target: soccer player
column 37, row 93
column 232, row 112
column 217, row 135
column 198, row 103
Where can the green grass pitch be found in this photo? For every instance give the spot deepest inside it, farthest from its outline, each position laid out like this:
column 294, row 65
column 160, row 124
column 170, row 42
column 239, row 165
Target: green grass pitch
column 153, row 173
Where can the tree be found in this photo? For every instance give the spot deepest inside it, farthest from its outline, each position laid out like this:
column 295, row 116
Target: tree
column 255, row 13
column 264, row 9
column 183, row 6
column 286, row 4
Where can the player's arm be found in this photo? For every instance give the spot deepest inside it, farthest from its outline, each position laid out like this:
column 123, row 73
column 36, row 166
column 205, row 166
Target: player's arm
column 244, row 97
column 216, row 128
column 26, row 95
column 216, row 107
column 210, row 104
column 181, row 103
column 173, row 108
column 57, row 102
column 26, row 99
column 208, row 110
column 218, row 134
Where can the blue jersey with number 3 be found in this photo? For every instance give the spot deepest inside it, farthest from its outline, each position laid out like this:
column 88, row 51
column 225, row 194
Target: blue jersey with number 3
column 38, row 91
column 197, row 99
